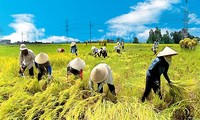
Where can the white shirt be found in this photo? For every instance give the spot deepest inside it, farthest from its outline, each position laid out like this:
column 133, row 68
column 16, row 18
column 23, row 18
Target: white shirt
column 108, row 80
column 27, row 60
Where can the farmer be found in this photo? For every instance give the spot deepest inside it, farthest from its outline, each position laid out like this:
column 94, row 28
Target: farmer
column 103, row 52
column 118, row 49
column 102, row 74
column 95, row 51
column 61, row 50
column 73, row 48
column 26, row 59
column 159, row 66
column 44, row 66
column 155, row 47
column 122, row 44
column 76, row 67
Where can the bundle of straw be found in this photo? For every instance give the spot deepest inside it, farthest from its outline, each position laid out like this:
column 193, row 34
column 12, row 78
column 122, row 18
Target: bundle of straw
column 179, row 90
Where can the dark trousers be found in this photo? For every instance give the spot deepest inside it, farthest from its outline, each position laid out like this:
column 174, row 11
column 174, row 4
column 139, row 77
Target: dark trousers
column 111, row 88
column 31, row 73
column 118, row 51
column 152, row 82
column 42, row 72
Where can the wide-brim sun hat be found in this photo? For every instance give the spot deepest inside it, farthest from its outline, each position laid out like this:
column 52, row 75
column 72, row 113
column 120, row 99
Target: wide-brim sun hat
column 167, row 51
column 73, row 43
column 93, row 47
column 99, row 74
column 23, row 47
column 41, row 58
column 77, row 64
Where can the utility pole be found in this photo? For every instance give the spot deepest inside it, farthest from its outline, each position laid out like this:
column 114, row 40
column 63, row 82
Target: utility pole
column 67, row 29
column 22, row 36
column 185, row 20
column 90, row 31
column 27, row 35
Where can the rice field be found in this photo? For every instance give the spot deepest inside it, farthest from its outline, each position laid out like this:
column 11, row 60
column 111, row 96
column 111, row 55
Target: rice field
column 65, row 98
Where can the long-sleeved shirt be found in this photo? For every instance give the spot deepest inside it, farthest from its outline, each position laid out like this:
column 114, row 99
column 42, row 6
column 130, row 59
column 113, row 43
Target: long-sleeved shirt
column 158, row 66
column 108, row 80
column 27, row 60
column 72, row 70
column 46, row 66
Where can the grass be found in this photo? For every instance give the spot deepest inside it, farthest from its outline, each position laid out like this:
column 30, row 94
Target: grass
column 68, row 98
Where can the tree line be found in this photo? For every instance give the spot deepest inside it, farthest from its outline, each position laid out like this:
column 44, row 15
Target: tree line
column 167, row 38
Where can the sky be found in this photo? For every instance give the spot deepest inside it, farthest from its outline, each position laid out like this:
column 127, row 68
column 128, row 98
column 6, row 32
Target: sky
column 82, row 20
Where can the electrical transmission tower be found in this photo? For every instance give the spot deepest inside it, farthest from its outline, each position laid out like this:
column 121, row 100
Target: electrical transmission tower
column 90, row 32
column 185, row 20
column 67, row 27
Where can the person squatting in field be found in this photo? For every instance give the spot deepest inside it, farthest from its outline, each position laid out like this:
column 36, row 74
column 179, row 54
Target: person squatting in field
column 95, row 51
column 159, row 66
column 61, row 50
column 73, row 49
column 26, row 59
column 103, row 52
column 75, row 67
column 44, row 66
column 101, row 74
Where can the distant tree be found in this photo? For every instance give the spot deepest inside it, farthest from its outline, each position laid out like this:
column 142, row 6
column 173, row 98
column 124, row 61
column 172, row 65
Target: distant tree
column 118, row 39
column 151, row 36
column 176, row 36
column 154, row 35
column 135, row 40
column 197, row 38
column 166, row 39
column 122, row 39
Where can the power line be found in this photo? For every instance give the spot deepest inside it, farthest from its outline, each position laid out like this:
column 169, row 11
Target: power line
column 67, row 28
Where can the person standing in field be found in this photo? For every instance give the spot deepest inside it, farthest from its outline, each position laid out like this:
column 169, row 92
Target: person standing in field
column 155, row 47
column 44, row 66
column 159, row 66
column 101, row 74
column 122, row 44
column 26, row 59
column 73, row 48
column 75, row 67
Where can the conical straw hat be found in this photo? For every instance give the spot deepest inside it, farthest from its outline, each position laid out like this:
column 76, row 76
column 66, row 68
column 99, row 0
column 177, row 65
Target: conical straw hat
column 77, row 64
column 99, row 74
column 167, row 51
column 41, row 58
column 72, row 44
column 23, row 47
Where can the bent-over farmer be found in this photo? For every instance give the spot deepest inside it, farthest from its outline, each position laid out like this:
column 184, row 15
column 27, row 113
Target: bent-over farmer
column 159, row 66
column 101, row 74
column 44, row 66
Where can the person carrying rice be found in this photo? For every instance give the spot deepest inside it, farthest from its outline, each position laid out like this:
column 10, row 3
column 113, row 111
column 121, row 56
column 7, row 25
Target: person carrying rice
column 159, row 66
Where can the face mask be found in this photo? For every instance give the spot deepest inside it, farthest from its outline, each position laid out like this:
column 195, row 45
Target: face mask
column 168, row 59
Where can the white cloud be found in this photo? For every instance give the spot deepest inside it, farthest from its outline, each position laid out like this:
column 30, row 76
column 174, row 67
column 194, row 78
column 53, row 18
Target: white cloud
column 26, row 30
column 58, row 39
column 193, row 18
column 140, row 15
column 194, row 31
column 100, row 30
